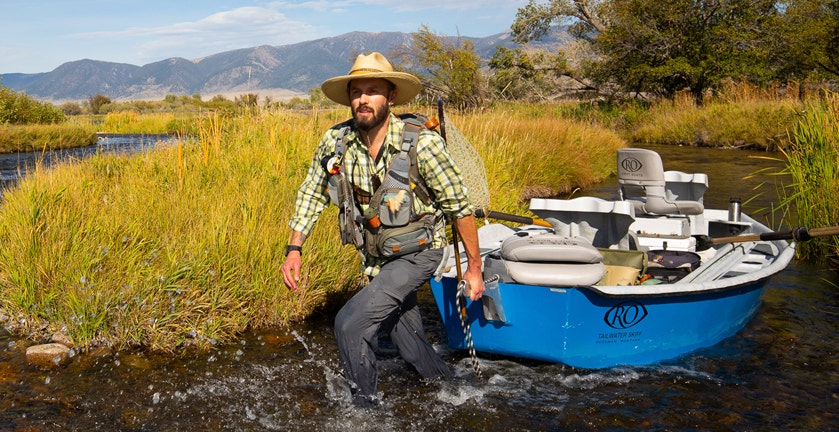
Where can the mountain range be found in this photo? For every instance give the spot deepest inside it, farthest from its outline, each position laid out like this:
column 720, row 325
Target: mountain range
column 275, row 71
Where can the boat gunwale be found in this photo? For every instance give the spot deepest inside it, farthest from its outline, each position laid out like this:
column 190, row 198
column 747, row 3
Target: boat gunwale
column 780, row 260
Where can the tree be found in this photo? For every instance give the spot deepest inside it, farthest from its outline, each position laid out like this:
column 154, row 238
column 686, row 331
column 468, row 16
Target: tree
column 96, row 102
column 662, row 47
column 528, row 75
column 19, row 108
column 71, row 108
column 246, row 100
column 535, row 20
column 804, row 42
column 448, row 69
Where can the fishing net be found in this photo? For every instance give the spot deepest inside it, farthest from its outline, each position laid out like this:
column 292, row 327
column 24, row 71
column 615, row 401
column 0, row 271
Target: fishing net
column 475, row 179
column 471, row 165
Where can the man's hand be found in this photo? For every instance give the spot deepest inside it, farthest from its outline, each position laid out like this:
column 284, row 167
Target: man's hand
column 291, row 269
column 293, row 261
column 469, row 235
column 476, row 282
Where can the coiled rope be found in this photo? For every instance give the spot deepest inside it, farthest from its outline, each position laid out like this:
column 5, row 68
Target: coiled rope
column 460, row 301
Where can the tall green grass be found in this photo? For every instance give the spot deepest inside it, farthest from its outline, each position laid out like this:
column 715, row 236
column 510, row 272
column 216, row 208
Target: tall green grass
column 182, row 245
column 531, row 153
column 132, row 122
column 27, row 138
column 738, row 116
column 812, row 194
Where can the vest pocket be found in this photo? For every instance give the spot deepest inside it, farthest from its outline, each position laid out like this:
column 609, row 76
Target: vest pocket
column 395, row 207
column 393, row 242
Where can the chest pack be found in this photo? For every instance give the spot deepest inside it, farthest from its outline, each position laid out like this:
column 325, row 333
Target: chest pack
column 389, row 226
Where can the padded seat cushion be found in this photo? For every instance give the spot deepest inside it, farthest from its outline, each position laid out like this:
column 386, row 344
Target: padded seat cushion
column 549, row 248
column 555, row 274
column 552, row 260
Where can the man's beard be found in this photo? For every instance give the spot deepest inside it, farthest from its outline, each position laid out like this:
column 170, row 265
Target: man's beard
column 380, row 114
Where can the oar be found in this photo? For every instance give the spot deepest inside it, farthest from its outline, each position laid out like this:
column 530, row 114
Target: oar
column 704, row 242
column 481, row 213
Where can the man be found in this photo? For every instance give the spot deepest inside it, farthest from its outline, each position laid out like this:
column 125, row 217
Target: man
column 373, row 140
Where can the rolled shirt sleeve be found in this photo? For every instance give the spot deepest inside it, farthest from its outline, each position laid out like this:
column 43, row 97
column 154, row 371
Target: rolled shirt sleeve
column 313, row 196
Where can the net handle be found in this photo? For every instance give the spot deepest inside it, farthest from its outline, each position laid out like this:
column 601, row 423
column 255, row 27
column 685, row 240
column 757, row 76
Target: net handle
column 442, row 118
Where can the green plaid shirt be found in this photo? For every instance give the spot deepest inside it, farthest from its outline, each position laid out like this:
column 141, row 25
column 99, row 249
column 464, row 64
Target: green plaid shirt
column 436, row 167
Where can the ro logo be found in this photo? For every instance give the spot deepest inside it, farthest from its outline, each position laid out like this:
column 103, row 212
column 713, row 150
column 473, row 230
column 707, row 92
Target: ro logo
column 625, row 315
column 631, row 164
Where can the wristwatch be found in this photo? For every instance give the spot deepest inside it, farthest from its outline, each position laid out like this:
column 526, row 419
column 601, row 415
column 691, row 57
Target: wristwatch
column 290, row 248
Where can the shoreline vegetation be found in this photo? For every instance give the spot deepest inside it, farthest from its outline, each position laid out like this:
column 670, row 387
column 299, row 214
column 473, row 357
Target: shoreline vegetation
column 180, row 246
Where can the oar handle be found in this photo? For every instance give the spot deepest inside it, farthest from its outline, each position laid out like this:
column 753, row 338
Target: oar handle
column 798, row 234
column 824, row 232
column 481, row 213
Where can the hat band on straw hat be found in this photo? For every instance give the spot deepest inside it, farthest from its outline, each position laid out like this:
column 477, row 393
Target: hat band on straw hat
column 365, row 71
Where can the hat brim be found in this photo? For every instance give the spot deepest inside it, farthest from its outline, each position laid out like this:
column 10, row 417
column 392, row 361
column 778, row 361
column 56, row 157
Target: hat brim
column 407, row 86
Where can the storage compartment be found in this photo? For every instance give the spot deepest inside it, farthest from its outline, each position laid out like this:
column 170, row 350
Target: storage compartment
column 678, row 244
column 661, row 227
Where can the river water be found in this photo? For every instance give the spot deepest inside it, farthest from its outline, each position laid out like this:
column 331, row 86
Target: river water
column 15, row 165
column 779, row 373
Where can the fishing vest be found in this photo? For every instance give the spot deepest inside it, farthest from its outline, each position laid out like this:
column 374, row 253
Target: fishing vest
column 389, row 227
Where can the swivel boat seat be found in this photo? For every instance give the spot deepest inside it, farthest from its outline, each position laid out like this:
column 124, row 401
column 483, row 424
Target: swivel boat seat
column 654, row 192
column 642, row 181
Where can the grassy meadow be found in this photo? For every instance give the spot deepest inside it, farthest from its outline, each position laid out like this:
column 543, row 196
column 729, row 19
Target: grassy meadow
column 133, row 122
column 182, row 245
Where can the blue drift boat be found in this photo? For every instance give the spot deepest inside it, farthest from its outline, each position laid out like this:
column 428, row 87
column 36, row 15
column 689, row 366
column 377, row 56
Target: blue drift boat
column 646, row 278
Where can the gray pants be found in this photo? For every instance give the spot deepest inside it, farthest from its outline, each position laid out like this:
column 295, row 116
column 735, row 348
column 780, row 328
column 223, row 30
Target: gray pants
column 389, row 301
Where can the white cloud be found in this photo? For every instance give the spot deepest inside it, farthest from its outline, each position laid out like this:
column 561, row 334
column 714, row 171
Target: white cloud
column 438, row 5
column 237, row 28
column 403, row 6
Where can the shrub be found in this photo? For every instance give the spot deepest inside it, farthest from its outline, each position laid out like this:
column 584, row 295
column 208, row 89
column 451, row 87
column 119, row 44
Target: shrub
column 19, row 109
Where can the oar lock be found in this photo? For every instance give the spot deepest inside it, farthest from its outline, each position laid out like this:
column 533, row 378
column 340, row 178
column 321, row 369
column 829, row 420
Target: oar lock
column 801, row 234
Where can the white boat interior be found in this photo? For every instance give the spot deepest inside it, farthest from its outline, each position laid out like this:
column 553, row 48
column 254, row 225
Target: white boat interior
column 659, row 211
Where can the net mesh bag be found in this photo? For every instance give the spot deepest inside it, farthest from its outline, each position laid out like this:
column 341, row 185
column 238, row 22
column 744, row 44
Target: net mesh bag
column 471, row 166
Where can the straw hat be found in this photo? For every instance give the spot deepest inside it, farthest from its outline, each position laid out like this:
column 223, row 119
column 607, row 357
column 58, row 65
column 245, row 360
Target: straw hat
column 374, row 65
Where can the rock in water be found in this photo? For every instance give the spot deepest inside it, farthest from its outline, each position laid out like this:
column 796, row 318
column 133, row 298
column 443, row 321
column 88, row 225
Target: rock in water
column 48, row 356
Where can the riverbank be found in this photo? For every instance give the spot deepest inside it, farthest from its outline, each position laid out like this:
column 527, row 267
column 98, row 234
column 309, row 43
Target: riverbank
column 738, row 116
column 27, row 138
column 82, row 130
column 812, row 175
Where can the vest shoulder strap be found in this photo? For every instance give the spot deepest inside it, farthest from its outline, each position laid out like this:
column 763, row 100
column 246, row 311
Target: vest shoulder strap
column 414, row 125
column 341, row 139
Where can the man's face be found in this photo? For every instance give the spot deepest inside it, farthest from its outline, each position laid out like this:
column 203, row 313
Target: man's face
column 369, row 101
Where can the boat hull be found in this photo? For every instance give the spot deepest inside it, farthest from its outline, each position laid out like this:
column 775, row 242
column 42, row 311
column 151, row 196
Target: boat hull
column 583, row 328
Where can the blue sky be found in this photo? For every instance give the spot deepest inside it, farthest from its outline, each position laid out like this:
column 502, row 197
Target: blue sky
column 40, row 35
